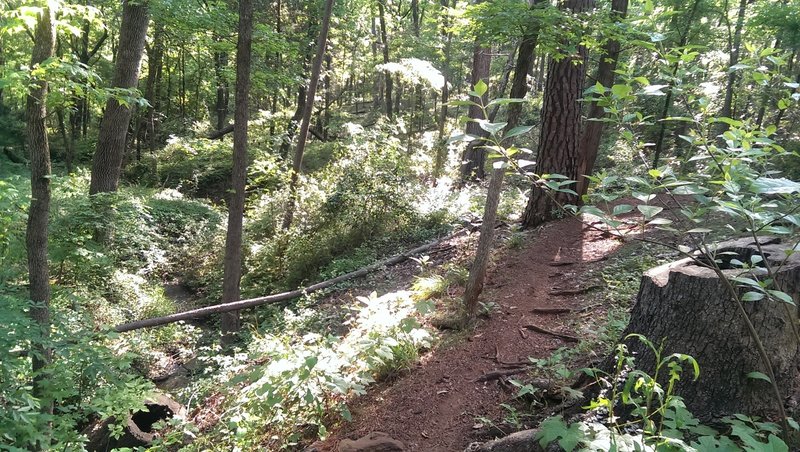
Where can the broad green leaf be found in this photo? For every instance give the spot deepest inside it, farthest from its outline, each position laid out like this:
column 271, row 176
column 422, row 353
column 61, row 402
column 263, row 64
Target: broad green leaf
column 491, row 127
column 463, row 103
column 752, row 296
column 782, row 296
column 622, row 209
column 649, row 211
column 770, row 186
column 481, row 88
column 519, row 130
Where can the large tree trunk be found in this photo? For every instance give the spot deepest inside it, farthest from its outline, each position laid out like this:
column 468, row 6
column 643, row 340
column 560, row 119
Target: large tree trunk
column 691, row 309
column 593, row 131
column 107, row 164
column 229, row 322
column 36, row 236
column 559, row 140
column 474, row 158
column 297, row 161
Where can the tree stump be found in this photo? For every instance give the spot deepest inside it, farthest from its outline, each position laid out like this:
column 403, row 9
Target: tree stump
column 691, row 309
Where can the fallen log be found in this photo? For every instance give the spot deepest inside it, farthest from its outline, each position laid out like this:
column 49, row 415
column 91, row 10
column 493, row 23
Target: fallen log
column 276, row 298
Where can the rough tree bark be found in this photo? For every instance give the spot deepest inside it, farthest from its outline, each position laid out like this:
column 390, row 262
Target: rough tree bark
column 593, row 130
column 297, row 161
column 36, row 234
column 559, row 139
column 477, row 271
column 691, row 309
column 107, row 164
column 229, row 321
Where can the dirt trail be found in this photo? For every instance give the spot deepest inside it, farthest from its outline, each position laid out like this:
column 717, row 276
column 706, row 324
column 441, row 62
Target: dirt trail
column 434, row 407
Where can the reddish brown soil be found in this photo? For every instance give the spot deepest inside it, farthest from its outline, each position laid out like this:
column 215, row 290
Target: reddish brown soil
column 434, row 407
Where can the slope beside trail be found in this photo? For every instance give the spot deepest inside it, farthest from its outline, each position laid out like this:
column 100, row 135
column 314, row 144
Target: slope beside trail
column 435, row 406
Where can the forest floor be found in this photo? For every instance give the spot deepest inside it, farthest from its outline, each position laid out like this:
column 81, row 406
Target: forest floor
column 439, row 405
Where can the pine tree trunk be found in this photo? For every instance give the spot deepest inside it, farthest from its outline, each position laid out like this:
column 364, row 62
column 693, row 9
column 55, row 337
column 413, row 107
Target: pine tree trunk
column 229, row 321
column 691, row 309
column 593, row 130
column 559, row 140
column 36, row 235
column 107, row 164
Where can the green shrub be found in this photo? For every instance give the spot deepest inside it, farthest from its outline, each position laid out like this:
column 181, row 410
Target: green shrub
column 86, row 381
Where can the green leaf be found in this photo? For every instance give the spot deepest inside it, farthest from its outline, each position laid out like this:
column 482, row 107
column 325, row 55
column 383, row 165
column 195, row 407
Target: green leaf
column 770, row 186
column 519, row 130
column 480, row 88
column 649, row 211
column 463, row 103
column 504, row 101
column 758, row 376
column 621, row 91
column 752, row 296
column 491, row 127
column 782, row 296
column 622, row 209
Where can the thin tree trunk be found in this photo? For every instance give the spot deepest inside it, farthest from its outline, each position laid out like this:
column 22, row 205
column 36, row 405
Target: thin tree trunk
column 68, row 145
column 662, row 129
column 221, row 105
column 441, row 150
column 107, row 164
column 387, row 76
column 474, row 157
column 291, row 128
column 525, row 60
column 727, row 105
column 477, row 272
column 38, row 213
column 593, row 130
column 297, row 161
column 559, row 139
column 229, row 321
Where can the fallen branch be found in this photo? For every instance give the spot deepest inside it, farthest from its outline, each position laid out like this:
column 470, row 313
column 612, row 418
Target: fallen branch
column 553, row 311
column 564, row 263
column 565, row 337
column 578, row 291
column 276, row 298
